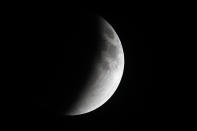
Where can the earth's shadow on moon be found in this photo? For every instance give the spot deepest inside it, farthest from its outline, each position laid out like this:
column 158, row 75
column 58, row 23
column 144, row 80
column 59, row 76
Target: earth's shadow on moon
column 80, row 55
column 73, row 49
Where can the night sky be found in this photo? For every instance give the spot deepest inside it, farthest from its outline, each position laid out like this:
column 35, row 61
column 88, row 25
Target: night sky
column 55, row 47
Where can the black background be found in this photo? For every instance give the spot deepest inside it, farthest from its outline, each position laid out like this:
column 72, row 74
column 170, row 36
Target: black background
column 51, row 41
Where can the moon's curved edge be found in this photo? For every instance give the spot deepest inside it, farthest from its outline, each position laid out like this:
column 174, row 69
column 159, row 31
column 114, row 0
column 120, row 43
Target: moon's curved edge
column 77, row 111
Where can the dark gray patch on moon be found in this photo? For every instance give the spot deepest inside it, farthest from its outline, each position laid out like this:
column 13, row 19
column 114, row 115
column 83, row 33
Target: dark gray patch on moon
column 106, row 29
column 111, row 50
column 109, row 56
column 108, row 32
column 105, row 65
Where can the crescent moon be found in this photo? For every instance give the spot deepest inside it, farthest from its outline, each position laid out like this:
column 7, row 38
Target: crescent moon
column 106, row 74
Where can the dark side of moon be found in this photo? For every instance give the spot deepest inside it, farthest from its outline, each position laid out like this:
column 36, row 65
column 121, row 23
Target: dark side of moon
column 89, row 63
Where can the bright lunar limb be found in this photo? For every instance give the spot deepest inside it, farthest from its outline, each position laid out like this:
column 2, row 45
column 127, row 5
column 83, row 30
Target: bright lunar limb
column 106, row 74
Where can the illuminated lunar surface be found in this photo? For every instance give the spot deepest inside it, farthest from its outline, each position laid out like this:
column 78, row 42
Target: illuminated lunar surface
column 106, row 74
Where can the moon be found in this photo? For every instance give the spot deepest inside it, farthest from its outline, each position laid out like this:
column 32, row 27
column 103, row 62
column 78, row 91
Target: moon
column 106, row 73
